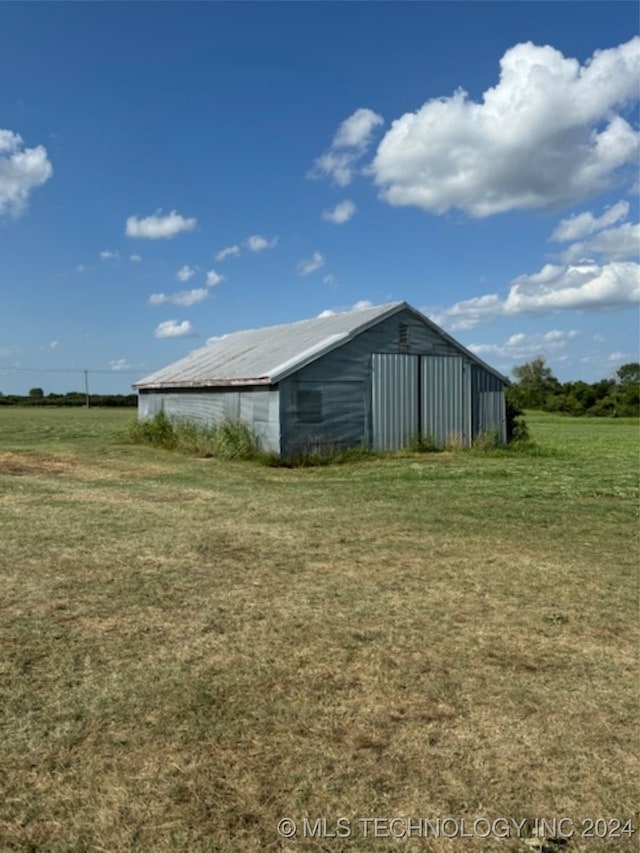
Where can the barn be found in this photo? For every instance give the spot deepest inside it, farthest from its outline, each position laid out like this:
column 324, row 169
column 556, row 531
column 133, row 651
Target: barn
column 376, row 377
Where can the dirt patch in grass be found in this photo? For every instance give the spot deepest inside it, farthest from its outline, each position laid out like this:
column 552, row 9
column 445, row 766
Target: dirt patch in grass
column 34, row 462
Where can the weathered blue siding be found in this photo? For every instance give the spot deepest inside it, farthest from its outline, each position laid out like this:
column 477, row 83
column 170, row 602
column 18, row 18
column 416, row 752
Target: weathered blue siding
column 449, row 392
column 396, row 378
column 258, row 408
column 488, row 409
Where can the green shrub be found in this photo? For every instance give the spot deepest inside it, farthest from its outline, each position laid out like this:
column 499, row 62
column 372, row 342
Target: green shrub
column 227, row 440
column 159, row 432
column 488, row 440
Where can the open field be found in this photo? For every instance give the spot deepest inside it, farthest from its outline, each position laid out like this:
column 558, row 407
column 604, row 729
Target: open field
column 194, row 649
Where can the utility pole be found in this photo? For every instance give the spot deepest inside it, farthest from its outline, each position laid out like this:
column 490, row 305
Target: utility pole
column 86, row 387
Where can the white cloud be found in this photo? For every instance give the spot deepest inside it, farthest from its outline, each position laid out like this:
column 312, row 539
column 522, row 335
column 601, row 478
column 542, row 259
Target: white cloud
column 190, row 297
column 555, row 288
column 522, row 346
column 350, row 143
column 586, row 223
column 309, row 265
column 183, row 297
column 119, row 364
column 620, row 357
column 81, row 268
column 341, row 213
column 135, row 259
column 358, row 306
column 108, row 255
column 257, row 243
column 470, row 312
column 546, row 135
column 356, row 131
column 21, row 171
column 54, row 344
column 587, row 285
column 173, row 329
column 185, row 273
column 214, row 278
column 229, row 252
column 330, row 280
column 159, row 227
column 614, row 244
column 598, row 338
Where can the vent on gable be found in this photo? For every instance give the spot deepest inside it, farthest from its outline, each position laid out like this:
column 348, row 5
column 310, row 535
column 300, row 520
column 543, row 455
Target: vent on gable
column 403, row 334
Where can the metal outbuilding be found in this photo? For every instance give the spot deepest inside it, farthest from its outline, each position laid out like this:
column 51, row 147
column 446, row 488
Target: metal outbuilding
column 377, row 376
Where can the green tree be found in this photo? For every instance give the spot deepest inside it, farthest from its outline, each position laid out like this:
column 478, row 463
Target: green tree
column 36, row 393
column 535, row 383
column 628, row 374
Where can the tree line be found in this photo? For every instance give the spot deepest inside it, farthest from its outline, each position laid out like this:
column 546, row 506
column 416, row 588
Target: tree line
column 537, row 388
column 37, row 397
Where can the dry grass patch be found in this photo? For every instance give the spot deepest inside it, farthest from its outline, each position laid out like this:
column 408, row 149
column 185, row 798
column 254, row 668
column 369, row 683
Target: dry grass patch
column 34, row 463
column 193, row 651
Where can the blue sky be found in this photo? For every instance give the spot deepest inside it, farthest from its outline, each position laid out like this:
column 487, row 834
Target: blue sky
column 171, row 172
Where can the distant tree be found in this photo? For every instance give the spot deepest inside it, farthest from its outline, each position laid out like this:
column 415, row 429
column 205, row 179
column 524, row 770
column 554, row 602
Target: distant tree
column 628, row 374
column 535, row 383
column 36, row 393
column 627, row 394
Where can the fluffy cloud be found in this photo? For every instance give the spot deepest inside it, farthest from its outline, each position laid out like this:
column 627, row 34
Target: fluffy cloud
column 358, row 306
column 214, row 278
column 611, row 243
column 546, row 135
column 258, row 243
column 470, row 312
column 185, row 273
column 135, row 259
column 521, row 346
column 107, row 255
column 587, row 285
column 119, row 364
column 350, row 143
column 159, row 227
column 341, row 213
column 309, row 265
column 229, row 252
column 173, row 329
column 584, row 224
column 615, row 244
column 21, row 171
column 54, row 344
column 183, row 297
column 555, row 288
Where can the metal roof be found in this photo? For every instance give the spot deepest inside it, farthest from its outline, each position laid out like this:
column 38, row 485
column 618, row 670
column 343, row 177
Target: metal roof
column 265, row 356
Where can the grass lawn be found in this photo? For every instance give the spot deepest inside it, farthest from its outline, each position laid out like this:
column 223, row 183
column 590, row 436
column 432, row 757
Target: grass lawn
column 193, row 649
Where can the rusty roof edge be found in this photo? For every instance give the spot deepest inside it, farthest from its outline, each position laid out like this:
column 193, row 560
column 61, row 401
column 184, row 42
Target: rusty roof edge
column 202, row 383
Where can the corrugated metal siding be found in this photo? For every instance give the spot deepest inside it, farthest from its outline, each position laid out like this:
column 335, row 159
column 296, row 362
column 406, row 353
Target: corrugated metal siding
column 347, row 412
column 482, row 381
column 492, row 413
column 394, row 400
column 259, row 409
column 443, row 412
column 343, row 421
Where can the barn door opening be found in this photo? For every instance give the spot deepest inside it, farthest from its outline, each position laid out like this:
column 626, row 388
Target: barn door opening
column 394, row 400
